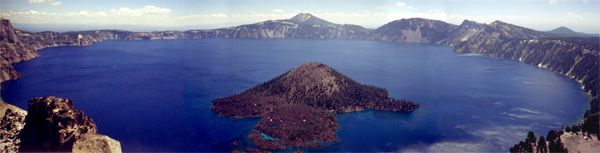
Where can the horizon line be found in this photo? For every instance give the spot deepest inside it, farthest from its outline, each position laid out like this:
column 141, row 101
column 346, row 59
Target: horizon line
column 228, row 24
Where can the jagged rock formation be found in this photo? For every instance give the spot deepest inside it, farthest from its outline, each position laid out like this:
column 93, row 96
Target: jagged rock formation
column 53, row 124
column 297, row 106
column 12, row 121
column 12, row 50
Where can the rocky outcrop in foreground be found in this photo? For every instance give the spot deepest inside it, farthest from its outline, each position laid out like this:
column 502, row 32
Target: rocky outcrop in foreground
column 297, row 107
column 91, row 142
column 53, row 124
column 12, row 121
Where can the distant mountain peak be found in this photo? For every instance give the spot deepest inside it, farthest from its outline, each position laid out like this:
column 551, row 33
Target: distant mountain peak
column 307, row 18
column 566, row 32
column 469, row 22
column 562, row 30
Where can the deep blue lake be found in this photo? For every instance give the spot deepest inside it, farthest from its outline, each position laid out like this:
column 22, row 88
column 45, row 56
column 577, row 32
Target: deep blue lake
column 156, row 95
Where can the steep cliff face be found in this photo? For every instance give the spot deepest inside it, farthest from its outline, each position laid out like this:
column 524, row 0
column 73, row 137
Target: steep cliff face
column 17, row 46
column 12, row 119
column 413, row 30
column 576, row 58
column 53, row 124
column 7, row 31
column 12, row 50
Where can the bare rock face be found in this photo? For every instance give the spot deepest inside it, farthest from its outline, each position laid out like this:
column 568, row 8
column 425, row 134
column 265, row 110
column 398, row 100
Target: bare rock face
column 7, row 33
column 7, row 71
column 91, row 142
column 12, row 50
column 572, row 57
column 12, row 120
column 53, row 124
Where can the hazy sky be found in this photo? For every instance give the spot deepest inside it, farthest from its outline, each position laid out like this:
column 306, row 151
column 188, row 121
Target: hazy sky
column 579, row 15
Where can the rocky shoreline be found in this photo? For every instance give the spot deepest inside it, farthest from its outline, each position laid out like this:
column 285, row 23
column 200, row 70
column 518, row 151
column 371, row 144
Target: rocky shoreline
column 497, row 39
column 574, row 57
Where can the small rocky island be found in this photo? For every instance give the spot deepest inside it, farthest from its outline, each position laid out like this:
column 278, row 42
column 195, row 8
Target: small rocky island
column 297, row 107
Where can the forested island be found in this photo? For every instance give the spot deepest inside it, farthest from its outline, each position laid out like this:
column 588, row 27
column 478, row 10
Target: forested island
column 297, row 107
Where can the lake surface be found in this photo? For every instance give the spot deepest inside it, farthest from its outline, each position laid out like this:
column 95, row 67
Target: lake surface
column 156, row 95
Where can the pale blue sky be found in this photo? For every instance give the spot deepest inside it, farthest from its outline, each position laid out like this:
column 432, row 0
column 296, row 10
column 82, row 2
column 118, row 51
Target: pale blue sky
column 579, row 15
